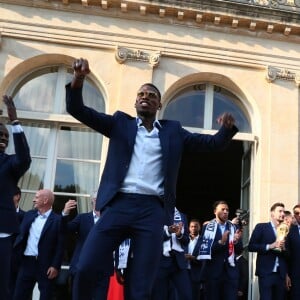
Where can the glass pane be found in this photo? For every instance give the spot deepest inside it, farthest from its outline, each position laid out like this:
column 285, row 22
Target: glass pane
column 33, row 179
column 37, row 94
column 81, row 143
column 37, row 136
column 187, row 108
column 91, row 96
column 76, row 177
column 225, row 101
column 26, row 202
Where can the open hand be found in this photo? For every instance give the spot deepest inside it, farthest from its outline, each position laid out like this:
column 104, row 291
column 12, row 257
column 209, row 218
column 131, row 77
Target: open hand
column 226, row 119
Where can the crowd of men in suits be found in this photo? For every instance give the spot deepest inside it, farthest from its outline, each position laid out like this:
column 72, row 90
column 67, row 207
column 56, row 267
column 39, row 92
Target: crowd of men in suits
column 186, row 268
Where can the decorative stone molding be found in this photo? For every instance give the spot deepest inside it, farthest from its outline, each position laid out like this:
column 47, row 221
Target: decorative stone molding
column 283, row 74
column 122, row 54
column 276, row 18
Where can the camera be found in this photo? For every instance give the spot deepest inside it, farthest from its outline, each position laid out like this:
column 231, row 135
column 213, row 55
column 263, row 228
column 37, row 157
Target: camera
column 242, row 216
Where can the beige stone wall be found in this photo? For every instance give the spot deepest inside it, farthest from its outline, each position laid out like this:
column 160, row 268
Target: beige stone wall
column 188, row 55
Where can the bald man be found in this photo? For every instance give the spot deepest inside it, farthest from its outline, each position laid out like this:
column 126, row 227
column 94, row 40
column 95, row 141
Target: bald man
column 40, row 246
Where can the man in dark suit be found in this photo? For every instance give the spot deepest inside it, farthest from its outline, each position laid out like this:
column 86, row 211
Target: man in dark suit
column 14, row 259
column 12, row 168
column 271, row 267
column 172, row 270
column 194, row 264
column 40, row 245
column 136, row 195
column 81, row 226
column 17, row 199
column 293, row 246
column 220, row 239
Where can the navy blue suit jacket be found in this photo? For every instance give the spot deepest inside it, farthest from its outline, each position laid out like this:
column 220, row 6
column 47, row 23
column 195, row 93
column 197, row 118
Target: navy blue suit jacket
column 51, row 243
column 121, row 129
column 262, row 235
column 293, row 247
column 196, row 265
column 81, row 225
column 214, row 268
column 12, row 168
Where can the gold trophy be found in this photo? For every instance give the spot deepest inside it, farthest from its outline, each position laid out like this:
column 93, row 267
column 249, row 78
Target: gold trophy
column 282, row 231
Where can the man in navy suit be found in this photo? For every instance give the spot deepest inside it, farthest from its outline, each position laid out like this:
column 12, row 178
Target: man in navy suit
column 293, row 246
column 172, row 270
column 136, row 195
column 14, row 259
column 81, row 226
column 220, row 240
column 12, row 168
column 194, row 264
column 40, row 245
column 271, row 267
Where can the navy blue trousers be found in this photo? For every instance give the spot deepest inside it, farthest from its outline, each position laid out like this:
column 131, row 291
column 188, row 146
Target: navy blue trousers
column 138, row 217
column 271, row 287
column 5, row 263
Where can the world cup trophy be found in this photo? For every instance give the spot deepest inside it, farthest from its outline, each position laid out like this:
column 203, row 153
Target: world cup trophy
column 281, row 232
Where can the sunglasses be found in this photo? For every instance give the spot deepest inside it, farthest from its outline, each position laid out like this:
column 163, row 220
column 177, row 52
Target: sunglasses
column 150, row 95
column 297, row 213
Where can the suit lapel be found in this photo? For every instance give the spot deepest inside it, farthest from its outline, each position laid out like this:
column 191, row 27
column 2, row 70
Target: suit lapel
column 91, row 220
column 272, row 229
column 164, row 142
column 131, row 133
column 47, row 224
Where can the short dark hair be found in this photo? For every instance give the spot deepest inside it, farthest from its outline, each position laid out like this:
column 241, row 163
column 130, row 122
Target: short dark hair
column 287, row 213
column 277, row 204
column 154, row 87
column 296, row 206
column 17, row 191
column 216, row 203
column 194, row 220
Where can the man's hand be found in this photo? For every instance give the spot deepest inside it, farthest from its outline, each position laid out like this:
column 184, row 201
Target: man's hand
column 176, row 228
column 226, row 119
column 189, row 257
column 120, row 277
column 224, row 237
column 52, row 273
column 237, row 236
column 69, row 205
column 81, row 69
column 288, row 282
column 11, row 109
column 278, row 244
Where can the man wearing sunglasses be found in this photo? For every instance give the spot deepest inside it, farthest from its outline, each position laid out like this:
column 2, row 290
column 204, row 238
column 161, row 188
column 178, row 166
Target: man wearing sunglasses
column 136, row 195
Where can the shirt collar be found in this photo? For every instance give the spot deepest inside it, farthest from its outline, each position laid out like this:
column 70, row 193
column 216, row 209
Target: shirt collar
column 156, row 123
column 46, row 214
column 95, row 215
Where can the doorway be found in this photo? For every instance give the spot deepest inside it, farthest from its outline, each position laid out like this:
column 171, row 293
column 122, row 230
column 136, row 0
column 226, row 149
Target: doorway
column 208, row 177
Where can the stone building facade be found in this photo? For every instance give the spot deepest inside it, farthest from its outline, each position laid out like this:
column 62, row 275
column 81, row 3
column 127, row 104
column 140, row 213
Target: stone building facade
column 205, row 57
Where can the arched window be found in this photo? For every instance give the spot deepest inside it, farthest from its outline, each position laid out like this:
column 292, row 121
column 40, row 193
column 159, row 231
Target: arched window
column 200, row 105
column 65, row 154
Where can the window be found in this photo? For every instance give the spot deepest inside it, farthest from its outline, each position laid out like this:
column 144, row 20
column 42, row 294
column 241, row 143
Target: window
column 65, row 154
column 200, row 105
